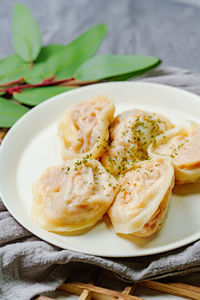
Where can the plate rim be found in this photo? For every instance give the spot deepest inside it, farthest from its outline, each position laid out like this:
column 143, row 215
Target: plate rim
column 145, row 252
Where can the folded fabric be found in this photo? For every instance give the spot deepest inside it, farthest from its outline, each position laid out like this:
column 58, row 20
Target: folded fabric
column 30, row 266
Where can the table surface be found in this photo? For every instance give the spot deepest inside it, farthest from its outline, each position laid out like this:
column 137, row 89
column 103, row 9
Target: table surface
column 168, row 29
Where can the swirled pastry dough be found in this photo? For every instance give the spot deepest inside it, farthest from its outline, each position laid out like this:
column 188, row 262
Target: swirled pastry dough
column 142, row 203
column 73, row 196
column 130, row 135
column 183, row 146
column 83, row 128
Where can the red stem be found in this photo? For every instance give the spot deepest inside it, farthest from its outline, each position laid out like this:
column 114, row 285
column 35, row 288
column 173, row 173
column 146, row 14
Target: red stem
column 20, row 80
column 46, row 82
column 31, row 64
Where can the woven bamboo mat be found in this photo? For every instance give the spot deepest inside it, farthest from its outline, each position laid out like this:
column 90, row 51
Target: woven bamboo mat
column 95, row 290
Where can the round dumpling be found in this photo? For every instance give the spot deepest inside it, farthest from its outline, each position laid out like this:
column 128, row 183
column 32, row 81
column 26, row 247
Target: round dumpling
column 73, row 196
column 183, row 146
column 130, row 135
column 142, row 202
column 83, row 128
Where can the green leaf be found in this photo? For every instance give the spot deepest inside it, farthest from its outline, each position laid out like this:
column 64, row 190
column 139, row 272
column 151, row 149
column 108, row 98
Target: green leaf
column 36, row 74
column 46, row 53
column 65, row 62
column 127, row 76
column 10, row 112
column 108, row 66
column 37, row 95
column 26, row 34
column 13, row 67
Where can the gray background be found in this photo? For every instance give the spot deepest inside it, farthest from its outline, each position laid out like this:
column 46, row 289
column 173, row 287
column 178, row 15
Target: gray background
column 169, row 29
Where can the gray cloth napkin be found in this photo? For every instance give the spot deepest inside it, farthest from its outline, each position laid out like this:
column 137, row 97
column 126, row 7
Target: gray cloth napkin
column 29, row 266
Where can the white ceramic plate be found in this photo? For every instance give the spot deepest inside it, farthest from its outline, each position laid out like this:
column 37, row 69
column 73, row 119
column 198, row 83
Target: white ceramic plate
column 32, row 145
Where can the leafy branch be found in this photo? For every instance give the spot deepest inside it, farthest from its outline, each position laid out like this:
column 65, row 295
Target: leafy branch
column 46, row 82
column 36, row 73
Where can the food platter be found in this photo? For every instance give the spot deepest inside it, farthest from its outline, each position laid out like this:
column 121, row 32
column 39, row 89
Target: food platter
column 32, row 145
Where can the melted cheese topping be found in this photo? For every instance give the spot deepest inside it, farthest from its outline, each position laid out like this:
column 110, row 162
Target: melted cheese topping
column 141, row 204
column 184, row 149
column 130, row 135
column 83, row 128
column 73, row 196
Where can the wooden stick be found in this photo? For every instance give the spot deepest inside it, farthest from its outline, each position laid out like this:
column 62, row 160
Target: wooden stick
column 185, row 286
column 85, row 295
column 129, row 290
column 96, row 292
column 176, row 290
